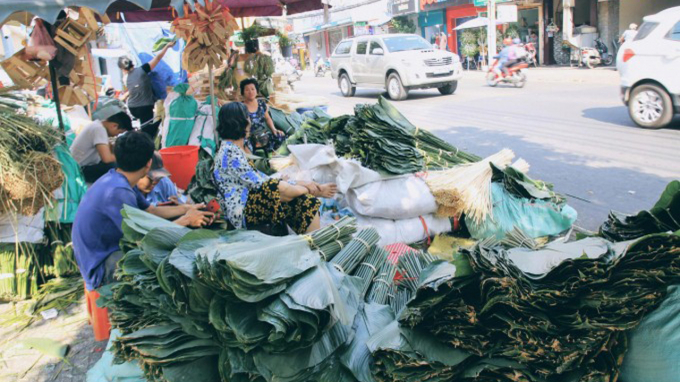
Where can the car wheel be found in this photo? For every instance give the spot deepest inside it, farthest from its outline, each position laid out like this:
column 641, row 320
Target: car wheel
column 449, row 88
column 345, row 85
column 650, row 107
column 395, row 89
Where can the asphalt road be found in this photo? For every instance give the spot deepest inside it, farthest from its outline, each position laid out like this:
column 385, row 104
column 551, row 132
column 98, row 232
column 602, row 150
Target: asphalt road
column 569, row 124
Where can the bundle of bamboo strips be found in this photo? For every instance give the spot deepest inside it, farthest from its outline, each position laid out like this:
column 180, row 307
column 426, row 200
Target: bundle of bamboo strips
column 206, row 31
column 467, row 188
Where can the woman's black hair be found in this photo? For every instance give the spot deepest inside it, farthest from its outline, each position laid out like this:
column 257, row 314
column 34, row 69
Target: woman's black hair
column 249, row 81
column 233, row 121
column 133, row 150
column 125, row 63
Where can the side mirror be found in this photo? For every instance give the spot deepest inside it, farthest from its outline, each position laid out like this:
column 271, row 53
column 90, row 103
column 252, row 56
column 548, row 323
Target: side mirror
column 378, row 52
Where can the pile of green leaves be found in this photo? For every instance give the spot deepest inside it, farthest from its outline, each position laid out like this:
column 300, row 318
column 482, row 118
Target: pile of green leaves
column 521, row 185
column 288, row 123
column 664, row 216
column 382, row 139
column 241, row 305
column 558, row 314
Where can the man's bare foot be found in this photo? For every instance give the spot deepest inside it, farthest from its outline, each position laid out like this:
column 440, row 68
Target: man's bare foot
column 327, row 190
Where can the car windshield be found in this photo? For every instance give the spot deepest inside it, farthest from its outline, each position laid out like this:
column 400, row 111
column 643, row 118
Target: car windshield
column 404, row 43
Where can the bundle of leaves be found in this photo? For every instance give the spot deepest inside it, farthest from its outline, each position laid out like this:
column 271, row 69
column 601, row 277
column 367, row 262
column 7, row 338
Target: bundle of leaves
column 558, row 314
column 243, row 306
column 664, row 216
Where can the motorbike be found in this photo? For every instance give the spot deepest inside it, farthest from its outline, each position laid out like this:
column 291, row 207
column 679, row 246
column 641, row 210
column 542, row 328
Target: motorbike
column 321, row 68
column 516, row 74
column 590, row 57
column 607, row 59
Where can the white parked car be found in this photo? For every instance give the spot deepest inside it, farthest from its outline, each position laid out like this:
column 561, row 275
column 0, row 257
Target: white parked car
column 396, row 62
column 650, row 70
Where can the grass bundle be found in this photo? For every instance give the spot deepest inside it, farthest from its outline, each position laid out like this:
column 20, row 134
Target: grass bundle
column 28, row 171
column 7, row 273
column 467, row 188
column 342, row 228
column 382, row 288
column 357, row 249
column 368, row 269
column 332, row 248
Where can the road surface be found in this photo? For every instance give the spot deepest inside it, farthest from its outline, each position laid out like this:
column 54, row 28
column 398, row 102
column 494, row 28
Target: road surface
column 569, row 124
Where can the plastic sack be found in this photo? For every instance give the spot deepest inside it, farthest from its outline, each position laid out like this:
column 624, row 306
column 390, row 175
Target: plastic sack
column 405, row 230
column 22, row 229
column 319, row 163
column 654, row 346
column 106, row 370
column 41, row 46
column 535, row 219
column 180, row 116
column 204, row 134
column 398, row 198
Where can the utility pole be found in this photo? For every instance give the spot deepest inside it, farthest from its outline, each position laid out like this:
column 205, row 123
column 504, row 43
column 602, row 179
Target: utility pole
column 491, row 33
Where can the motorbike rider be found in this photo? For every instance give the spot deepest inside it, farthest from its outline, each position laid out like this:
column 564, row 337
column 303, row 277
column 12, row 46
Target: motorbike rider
column 318, row 64
column 505, row 56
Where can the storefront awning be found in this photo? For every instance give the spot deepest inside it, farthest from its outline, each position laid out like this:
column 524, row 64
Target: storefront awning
column 479, row 22
column 323, row 27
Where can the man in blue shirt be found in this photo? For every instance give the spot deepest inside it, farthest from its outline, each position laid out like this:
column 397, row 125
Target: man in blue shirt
column 97, row 227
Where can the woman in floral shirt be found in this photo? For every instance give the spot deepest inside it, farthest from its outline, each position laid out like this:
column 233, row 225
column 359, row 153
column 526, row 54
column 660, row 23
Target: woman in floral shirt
column 249, row 197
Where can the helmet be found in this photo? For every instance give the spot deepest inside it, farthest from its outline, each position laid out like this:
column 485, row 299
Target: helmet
column 507, row 41
column 633, row 26
column 516, row 40
column 125, row 63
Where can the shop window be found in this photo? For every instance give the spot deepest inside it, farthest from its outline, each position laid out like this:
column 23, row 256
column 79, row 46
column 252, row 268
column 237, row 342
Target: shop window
column 361, row 47
column 674, row 33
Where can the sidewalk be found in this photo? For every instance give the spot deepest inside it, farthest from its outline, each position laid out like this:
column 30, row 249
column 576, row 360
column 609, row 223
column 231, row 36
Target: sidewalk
column 20, row 364
column 565, row 74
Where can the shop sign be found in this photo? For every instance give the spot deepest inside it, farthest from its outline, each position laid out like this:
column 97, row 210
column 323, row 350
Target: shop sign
column 424, row 3
column 403, row 7
column 507, row 13
column 482, row 3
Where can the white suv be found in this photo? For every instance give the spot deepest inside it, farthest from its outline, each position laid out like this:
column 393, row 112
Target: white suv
column 650, row 70
column 397, row 62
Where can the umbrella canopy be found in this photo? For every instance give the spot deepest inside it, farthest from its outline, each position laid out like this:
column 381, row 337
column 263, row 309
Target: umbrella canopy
column 146, row 10
column 479, row 22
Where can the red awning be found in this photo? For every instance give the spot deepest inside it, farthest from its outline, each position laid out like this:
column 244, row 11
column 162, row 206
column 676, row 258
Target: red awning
column 161, row 10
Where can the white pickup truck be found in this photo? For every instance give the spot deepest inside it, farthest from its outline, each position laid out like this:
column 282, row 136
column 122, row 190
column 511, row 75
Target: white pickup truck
column 396, row 62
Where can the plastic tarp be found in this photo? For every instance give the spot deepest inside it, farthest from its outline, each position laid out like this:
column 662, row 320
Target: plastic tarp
column 181, row 116
column 22, row 229
column 204, row 134
column 105, row 370
column 535, row 218
column 71, row 192
column 398, row 198
column 654, row 346
column 405, row 230
column 319, row 163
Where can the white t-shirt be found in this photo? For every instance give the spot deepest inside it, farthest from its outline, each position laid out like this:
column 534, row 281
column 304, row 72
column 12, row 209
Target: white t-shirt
column 629, row 35
column 84, row 147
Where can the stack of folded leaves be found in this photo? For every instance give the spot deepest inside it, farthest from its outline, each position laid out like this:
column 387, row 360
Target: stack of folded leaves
column 241, row 305
column 383, row 140
column 664, row 216
column 557, row 314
